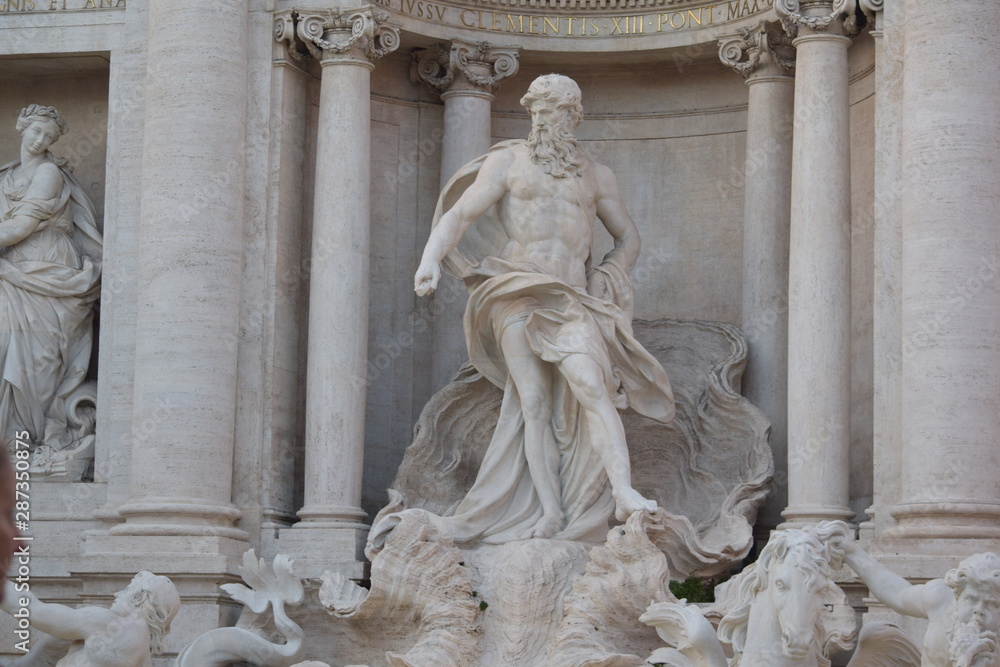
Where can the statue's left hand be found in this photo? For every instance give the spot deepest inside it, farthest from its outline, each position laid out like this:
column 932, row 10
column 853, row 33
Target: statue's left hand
column 597, row 285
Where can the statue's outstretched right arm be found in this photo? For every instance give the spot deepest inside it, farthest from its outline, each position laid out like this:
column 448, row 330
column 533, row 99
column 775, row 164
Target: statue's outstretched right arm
column 489, row 186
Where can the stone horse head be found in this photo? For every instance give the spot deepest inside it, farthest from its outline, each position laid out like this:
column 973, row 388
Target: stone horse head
column 788, row 609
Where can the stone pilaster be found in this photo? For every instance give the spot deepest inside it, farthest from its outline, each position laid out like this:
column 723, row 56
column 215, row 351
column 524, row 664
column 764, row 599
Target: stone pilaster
column 465, row 74
column 330, row 533
column 765, row 58
column 950, row 205
column 819, row 317
column 887, row 312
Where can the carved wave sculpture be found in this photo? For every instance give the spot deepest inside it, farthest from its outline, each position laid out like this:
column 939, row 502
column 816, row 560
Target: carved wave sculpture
column 550, row 602
column 710, row 469
column 421, row 587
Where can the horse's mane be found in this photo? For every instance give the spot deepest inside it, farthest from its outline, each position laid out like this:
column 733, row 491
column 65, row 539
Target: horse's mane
column 821, row 557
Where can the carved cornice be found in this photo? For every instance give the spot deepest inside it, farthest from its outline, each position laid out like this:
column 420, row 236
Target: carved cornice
column 744, row 52
column 465, row 65
column 792, row 15
column 361, row 33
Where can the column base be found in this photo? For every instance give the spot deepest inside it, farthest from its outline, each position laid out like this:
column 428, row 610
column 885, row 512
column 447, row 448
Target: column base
column 176, row 517
column 920, row 559
column 804, row 515
column 946, row 520
column 316, row 548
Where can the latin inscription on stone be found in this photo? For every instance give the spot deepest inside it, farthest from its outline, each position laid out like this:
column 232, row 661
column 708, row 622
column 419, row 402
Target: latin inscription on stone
column 579, row 26
column 57, row 5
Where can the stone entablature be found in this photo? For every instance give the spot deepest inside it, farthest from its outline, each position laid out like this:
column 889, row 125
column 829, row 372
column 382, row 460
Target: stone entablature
column 539, row 25
column 574, row 19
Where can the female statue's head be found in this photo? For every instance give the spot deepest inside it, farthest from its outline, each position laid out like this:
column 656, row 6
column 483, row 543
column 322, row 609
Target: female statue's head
column 40, row 127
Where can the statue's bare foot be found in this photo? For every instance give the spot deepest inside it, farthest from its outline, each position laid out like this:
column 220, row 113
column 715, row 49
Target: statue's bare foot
column 630, row 501
column 547, row 526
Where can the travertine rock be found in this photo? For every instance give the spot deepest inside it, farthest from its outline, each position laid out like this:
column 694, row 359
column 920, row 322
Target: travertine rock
column 421, row 589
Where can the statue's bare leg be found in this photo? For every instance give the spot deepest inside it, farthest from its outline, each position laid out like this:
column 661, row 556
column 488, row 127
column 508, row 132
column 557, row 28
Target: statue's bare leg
column 586, row 380
column 533, row 381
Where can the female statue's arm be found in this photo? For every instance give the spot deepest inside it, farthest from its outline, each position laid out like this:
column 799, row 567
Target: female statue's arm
column 45, row 185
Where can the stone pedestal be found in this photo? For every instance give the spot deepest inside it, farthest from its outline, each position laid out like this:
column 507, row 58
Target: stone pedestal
column 765, row 58
column 819, row 317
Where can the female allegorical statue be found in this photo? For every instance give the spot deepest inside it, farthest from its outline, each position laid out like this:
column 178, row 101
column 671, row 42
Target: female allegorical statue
column 50, row 269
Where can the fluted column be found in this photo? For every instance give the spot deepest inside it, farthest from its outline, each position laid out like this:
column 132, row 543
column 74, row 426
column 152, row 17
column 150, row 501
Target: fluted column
column 346, row 44
column 950, row 211
column 191, row 232
column 765, row 58
column 819, row 317
column 465, row 74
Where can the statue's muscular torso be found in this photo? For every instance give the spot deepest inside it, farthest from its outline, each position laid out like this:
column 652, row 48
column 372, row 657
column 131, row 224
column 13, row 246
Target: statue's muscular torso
column 549, row 220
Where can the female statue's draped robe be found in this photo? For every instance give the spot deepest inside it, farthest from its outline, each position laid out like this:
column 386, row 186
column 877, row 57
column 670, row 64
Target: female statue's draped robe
column 48, row 284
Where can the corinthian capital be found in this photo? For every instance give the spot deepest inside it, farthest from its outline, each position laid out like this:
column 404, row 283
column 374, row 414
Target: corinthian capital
column 465, row 65
column 757, row 49
column 361, row 33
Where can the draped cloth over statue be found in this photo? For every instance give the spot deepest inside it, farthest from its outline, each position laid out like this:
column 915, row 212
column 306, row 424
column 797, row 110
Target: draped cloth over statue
column 559, row 321
column 48, row 285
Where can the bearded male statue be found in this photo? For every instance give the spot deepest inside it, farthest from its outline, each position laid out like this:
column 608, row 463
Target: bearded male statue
column 962, row 609
column 549, row 327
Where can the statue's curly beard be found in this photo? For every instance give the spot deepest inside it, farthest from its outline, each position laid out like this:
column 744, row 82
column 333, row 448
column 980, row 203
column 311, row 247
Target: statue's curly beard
column 971, row 645
column 555, row 150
